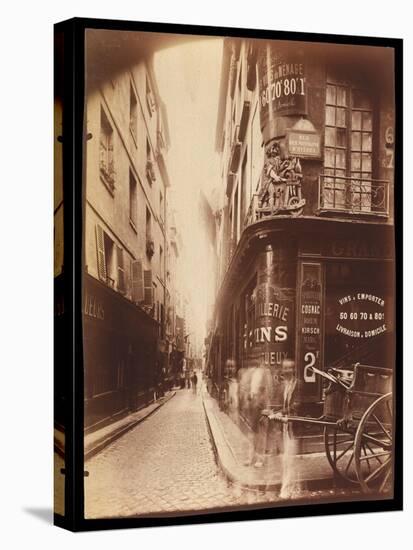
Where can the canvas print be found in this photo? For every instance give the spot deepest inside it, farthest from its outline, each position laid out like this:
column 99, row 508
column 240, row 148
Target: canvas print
column 238, row 277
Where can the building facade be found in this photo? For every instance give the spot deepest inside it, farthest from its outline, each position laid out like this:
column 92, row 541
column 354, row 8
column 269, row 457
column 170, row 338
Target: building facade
column 305, row 232
column 127, row 294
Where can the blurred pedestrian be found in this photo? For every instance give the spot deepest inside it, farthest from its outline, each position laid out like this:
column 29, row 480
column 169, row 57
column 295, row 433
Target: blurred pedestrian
column 194, row 381
column 258, row 402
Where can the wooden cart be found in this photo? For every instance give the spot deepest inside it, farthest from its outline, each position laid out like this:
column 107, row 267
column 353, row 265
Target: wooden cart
column 358, row 425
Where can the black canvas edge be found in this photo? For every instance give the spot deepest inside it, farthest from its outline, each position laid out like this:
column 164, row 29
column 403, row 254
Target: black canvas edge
column 73, row 176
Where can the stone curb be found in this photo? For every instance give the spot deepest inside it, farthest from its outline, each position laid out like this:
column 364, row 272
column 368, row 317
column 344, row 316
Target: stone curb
column 99, row 444
column 228, row 464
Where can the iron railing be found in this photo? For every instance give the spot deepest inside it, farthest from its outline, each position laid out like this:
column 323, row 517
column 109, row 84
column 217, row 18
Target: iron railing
column 354, row 195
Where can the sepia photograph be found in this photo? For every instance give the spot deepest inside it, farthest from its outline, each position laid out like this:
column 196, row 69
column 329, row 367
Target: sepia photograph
column 238, row 274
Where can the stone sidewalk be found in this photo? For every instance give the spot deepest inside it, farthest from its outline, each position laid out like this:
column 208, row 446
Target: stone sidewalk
column 285, row 474
column 99, row 439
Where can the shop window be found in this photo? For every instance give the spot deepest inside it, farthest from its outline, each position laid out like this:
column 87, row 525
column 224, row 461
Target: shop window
column 133, row 200
column 107, row 168
column 133, row 114
column 348, row 149
column 100, row 356
column 358, row 302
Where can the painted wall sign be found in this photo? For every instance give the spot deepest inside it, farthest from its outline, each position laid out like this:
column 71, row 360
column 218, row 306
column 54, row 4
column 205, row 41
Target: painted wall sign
column 361, row 315
column 93, row 307
column 271, row 336
column 309, row 338
column 358, row 248
column 304, row 144
column 282, row 86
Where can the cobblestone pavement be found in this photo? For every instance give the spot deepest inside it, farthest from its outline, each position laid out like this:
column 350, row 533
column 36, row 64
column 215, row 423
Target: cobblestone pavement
column 165, row 464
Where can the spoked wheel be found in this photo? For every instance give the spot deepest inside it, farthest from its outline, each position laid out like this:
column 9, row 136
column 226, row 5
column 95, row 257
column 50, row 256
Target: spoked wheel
column 340, row 447
column 374, row 446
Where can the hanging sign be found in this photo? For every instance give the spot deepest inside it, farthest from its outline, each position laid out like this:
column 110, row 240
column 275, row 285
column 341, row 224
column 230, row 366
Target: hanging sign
column 282, row 87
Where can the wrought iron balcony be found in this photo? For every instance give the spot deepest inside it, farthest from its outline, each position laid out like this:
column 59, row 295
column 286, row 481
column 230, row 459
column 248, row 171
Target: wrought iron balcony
column 353, row 195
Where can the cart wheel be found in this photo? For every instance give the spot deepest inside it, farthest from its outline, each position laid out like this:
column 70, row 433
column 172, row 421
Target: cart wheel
column 339, row 447
column 374, row 446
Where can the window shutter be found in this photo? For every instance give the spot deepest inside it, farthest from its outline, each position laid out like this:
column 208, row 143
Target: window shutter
column 137, row 281
column 100, row 244
column 121, row 270
column 148, row 288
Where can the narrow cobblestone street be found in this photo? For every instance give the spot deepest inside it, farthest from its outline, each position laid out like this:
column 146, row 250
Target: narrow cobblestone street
column 165, row 464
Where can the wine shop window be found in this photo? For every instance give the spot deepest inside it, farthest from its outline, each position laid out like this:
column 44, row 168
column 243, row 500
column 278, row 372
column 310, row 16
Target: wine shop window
column 106, row 159
column 346, row 184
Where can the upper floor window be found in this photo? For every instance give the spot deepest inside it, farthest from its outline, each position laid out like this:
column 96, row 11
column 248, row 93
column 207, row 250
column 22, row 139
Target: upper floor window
column 150, row 100
column 150, row 165
column 107, row 168
column 133, row 114
column 161, row 262
column 150, row 245
column 348, row 149
column 161, row 205
column 105, row 257
column 110, row 261
column 133, row 200
column 148, row 224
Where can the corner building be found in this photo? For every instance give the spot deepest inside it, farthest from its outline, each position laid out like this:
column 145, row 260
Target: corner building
column 305, row 230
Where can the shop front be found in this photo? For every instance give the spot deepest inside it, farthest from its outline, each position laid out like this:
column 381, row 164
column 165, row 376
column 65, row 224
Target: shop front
column 320, row 296
column 345, row 297
column 120, row 354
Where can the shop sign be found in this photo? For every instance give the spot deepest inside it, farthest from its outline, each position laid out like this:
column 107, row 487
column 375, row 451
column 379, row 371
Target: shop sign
column 361, row 315
column 304, row 144
column 309, row 328
column 271, row 334
column 282, row 86
column 357, row 248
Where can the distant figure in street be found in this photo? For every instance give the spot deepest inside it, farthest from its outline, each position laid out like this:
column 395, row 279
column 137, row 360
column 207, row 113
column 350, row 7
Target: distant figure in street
column 194, row 382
